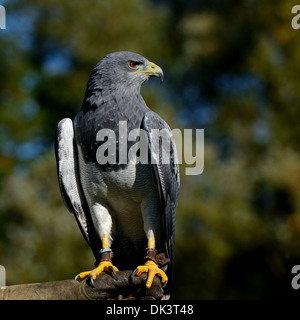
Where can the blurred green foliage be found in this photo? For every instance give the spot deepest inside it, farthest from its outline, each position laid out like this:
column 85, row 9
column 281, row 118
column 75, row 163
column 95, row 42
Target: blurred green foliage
column 232, row 68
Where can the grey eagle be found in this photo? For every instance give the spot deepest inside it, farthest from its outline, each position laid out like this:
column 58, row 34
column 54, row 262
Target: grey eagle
column 124, row 209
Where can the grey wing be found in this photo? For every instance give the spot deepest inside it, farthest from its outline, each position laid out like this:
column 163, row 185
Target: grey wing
column 69, row 182
column 166, row 174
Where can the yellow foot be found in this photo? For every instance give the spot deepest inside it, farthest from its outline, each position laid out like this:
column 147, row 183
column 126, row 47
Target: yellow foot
column 103, row 266
column 152, row 269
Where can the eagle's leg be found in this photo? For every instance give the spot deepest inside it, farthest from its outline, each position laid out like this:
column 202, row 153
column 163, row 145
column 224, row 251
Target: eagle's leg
column 105, row 264
column 151, row 266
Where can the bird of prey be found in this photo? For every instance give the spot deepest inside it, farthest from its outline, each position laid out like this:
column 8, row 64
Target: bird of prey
column 125, row 209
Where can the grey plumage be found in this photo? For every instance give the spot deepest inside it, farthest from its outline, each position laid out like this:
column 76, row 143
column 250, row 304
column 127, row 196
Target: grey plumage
column 129, row 201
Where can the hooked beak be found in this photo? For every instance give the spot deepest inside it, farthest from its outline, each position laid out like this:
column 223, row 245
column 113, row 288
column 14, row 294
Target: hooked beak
column 153, row 70
column 156, row 71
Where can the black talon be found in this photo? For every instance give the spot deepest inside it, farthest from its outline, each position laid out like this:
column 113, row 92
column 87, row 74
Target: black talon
column 134, row 272
column 92, row 281
column 164, row 284
column 113, row 272
column 77, row 276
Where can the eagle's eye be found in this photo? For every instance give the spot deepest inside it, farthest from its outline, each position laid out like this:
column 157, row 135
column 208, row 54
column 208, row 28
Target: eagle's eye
column 133, row 64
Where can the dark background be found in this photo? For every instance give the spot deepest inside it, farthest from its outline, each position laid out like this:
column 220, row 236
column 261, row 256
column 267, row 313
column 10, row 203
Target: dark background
column 231, row 68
